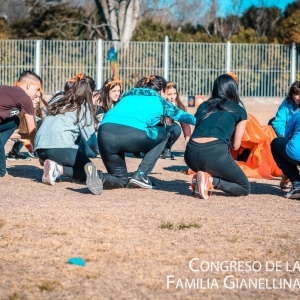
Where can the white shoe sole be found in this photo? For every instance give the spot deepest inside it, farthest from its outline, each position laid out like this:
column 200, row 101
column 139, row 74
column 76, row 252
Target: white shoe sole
column 46, row 176
column 93, row 182
column 141, row 184
column 201, row 185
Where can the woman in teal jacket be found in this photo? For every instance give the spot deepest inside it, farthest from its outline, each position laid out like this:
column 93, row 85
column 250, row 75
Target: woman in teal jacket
column 131, row 126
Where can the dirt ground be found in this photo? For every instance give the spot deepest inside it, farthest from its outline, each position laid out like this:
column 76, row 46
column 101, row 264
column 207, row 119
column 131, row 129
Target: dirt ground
column 146, row 244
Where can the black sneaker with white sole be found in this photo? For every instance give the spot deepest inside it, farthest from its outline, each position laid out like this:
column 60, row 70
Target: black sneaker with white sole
column 294, row 193
column 140, row 179
column 93, row 182
column 13, row 155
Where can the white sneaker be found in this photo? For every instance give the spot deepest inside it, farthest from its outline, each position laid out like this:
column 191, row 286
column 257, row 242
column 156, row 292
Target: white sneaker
column 51, row 171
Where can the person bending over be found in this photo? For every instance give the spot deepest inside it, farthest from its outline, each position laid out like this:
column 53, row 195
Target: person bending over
column 173, row 128
column 131, row 126
column 13, row 100
column 69, row 120
column 286, row 154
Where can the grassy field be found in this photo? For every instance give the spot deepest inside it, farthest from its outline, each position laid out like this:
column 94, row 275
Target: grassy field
column 145, row 244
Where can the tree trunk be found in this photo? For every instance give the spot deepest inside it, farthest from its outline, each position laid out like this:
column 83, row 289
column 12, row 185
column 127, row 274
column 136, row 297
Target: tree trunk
column 120, row 17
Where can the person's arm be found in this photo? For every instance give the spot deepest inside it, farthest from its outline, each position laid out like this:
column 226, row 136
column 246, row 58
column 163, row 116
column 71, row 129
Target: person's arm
column 238, row 134
column 177, row 114
column 30, row 122
column 280, row 120
column 186, row 132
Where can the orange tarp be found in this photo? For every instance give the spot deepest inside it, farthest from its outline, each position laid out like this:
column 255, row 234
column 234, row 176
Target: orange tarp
column 260, row 162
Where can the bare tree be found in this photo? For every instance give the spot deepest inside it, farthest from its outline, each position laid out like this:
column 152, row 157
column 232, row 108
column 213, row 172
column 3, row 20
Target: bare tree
column 174, row 12
column 227, row 27
column 12, row 10
column 208, row 22
column 120, row 17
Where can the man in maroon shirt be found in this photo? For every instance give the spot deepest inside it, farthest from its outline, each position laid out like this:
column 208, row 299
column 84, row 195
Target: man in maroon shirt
column 23, row 97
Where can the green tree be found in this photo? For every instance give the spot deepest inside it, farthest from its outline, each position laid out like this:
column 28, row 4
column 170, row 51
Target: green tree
column 245, row 35
column 262, row 20
column 50, row 20
column 149, row 30
column 289, row 30
column 5, row 33
column 291, row 8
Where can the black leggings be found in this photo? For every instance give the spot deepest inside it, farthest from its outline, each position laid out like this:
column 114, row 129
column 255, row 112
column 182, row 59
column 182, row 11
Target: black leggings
column 114, row 140
column 72, row 160
column 174, row 131
column 215, row 158
column 287, row 165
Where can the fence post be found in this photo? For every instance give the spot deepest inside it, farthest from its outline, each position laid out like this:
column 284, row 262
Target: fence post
column 228, row 57
column 37, row 57
column 99, row 62
column 293, row 63
column 166, row 58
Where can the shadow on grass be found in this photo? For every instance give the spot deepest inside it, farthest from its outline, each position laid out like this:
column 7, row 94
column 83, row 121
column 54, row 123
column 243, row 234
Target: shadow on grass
column 83, row 190
column 26, row 171
column 258, row 188
column 175, row 168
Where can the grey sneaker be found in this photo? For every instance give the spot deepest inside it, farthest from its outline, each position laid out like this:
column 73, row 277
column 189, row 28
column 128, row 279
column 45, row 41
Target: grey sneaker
column 140, row 179
column 93, row 182
column 167, row 154
column 294, row 193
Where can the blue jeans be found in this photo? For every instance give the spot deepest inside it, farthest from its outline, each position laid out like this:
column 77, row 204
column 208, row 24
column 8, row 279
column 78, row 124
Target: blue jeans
column 7, row 127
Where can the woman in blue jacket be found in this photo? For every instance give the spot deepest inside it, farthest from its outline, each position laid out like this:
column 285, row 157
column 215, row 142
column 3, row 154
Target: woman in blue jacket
column 288, row 108
column 132, row 127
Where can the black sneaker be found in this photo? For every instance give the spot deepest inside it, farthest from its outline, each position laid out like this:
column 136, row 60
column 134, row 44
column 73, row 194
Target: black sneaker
column 13, row 155
column 140, row 179
column 167, row 154
column 293, row 193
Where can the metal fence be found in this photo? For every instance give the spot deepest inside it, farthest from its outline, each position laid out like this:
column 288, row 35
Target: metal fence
column 263, row 70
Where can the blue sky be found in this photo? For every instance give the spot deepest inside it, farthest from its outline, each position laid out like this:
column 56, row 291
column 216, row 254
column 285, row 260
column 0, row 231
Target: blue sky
column 226, row 5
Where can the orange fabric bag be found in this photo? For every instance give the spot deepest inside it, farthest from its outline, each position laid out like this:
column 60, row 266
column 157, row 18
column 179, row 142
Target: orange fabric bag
column 257, row 139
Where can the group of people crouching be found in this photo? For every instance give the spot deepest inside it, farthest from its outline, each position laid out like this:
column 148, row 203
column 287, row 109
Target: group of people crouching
column 142, row 121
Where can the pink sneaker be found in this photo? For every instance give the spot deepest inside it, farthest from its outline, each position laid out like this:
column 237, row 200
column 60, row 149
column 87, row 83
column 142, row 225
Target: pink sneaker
column 51, row 171
column 203, row 185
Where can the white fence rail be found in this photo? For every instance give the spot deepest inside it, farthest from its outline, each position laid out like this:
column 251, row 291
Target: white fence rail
column 263, row 70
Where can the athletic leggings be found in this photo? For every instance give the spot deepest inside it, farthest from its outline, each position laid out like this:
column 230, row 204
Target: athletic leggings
column 72, row 160
column 175, row 132
column 287, row 165
column 215, row 158
column 114, row 140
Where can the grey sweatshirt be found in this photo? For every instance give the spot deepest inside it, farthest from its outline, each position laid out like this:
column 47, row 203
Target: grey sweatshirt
column 60, row 132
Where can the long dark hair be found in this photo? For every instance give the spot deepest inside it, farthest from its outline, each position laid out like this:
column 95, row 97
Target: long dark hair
column 294, row 90
column 80, row 93
column 108, row 85
column 154, row 82
column 224, row 89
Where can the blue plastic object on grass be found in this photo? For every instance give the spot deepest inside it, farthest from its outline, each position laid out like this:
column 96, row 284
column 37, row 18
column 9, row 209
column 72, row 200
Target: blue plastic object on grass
column 76, row 261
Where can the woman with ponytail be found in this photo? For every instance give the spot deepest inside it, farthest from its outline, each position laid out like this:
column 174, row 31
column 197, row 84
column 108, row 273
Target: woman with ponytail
column 221, row 122
column 133, row 126
column 69, row 120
